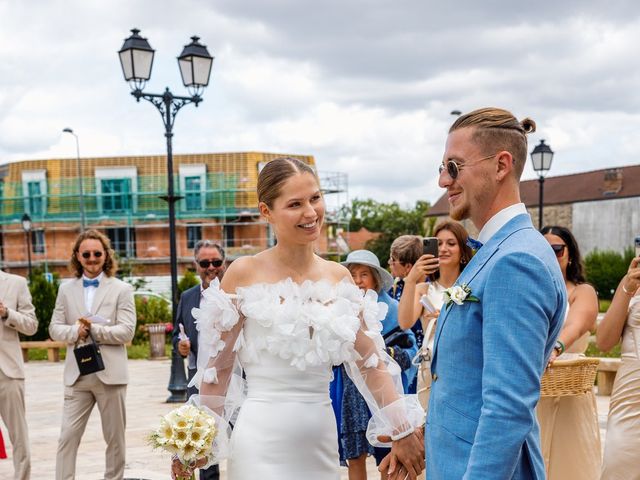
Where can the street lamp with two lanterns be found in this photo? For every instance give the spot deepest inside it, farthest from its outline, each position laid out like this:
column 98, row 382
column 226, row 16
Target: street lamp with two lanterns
column 136, row 59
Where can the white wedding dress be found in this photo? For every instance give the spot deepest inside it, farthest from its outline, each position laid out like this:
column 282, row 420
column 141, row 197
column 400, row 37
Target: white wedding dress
column 286, row 339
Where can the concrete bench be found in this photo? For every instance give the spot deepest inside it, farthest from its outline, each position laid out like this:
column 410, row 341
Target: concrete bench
column 53, row 349
column 607, row 369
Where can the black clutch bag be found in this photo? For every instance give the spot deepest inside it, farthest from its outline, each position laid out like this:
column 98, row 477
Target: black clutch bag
column 398, row 338
column 88, row 357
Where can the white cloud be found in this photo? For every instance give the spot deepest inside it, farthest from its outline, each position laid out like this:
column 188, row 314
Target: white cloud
column 366, row 87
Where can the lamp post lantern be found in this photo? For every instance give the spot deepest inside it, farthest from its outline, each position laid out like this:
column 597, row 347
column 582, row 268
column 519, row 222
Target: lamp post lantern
column 136, row 59
column 541, row 157
column 26, row 226
column 79, row 171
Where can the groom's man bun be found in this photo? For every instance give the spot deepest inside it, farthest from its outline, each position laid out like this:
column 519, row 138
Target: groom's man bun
column 497, row 129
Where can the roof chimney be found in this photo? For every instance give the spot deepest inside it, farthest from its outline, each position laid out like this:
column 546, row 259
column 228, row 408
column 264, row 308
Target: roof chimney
column 612, row 181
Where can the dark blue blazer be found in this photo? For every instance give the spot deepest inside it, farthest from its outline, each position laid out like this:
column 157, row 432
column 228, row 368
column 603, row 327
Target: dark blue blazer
column 188, row 300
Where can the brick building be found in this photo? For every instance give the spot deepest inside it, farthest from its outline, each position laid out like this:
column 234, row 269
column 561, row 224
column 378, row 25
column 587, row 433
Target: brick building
column 121, row 197
column 601, row 207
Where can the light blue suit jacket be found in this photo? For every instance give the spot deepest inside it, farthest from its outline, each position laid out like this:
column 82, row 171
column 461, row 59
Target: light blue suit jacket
column 489, row 357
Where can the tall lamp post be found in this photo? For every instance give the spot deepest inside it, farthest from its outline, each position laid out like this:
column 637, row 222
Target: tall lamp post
column 541, row 157
column 136, row 58
column 26, row 226
column 79, row 171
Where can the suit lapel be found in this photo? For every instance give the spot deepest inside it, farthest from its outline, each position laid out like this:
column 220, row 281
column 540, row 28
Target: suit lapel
column 479, row 260
column 101, row 293
column 77, row 291
column 193, row 302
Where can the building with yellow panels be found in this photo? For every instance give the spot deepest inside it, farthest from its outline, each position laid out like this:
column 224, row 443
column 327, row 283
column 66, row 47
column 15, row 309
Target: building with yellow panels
column 121, row 197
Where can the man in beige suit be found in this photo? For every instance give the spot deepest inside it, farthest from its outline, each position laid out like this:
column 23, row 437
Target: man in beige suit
column 97, row 302
column 17, row 315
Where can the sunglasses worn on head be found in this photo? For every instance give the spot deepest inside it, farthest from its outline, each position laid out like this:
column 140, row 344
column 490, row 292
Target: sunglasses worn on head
column 217, row 263
column 88, row 253
column 453, row 169
column 558, row 249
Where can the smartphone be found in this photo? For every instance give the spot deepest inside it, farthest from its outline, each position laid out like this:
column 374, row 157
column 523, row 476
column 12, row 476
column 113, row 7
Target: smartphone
column 430, row 245
column 638, row 246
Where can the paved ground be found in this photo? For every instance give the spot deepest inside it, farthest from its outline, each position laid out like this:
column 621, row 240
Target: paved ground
column 145, row 404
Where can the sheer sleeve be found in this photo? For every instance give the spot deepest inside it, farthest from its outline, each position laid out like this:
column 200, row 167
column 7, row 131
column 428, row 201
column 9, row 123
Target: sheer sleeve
column 219, row 375
column 378, row 378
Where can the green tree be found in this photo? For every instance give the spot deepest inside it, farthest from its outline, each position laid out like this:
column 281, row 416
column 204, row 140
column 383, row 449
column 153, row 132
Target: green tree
column 43, row 294
column 149, row 310
column 604, row 270
column 389, row 219
column 188, row 280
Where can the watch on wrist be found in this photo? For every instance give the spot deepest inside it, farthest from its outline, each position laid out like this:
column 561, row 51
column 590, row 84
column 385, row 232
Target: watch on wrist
column 559, row 347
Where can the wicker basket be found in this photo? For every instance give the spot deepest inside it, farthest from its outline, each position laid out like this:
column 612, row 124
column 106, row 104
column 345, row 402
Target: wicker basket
column 569, row 377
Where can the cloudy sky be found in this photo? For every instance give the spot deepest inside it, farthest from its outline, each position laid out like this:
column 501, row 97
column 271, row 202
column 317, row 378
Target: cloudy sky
column 366, row 86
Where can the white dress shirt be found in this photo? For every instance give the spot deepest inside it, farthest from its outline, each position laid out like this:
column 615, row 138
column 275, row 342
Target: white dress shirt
column 90, row 292
column 499, row 220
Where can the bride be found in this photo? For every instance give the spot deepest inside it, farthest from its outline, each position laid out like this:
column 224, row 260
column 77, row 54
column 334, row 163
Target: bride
column 284, row 317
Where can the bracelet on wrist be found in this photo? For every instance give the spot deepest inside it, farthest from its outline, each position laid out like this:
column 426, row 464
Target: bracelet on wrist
column 401, row 435
column 627, row 292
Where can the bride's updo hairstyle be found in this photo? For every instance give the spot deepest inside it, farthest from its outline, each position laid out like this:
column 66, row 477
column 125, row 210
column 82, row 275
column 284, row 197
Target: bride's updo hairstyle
column 496, row 129
column 275, row 173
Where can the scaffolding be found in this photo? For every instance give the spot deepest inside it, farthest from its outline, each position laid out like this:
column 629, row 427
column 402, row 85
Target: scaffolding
column 218, row 201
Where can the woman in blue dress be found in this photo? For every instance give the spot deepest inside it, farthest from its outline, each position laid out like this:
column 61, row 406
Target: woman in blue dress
column 350, row 408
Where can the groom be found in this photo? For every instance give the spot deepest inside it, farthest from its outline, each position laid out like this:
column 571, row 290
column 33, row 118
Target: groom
column 491, row 348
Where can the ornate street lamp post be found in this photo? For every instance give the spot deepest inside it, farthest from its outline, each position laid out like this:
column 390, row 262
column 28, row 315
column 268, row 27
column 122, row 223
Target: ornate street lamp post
column 26, row 226
column 136, row 58
column 83, row 222
column 541, row 157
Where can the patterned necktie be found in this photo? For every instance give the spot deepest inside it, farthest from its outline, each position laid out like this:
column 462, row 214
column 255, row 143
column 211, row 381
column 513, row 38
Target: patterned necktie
column 473, row 244
column 90, row 283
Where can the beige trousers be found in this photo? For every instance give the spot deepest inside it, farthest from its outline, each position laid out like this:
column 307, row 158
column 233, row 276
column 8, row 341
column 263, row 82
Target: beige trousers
column 79, row 400
column 13, row 415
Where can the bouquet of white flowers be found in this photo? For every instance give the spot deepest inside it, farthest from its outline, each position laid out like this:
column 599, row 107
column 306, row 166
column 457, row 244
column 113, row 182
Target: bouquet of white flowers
column 188, row 433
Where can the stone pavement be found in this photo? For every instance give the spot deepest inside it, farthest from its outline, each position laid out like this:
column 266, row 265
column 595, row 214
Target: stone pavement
column 145, row 404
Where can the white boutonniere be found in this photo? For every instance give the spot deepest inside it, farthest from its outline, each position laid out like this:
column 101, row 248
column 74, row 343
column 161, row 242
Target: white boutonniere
column 458, row 294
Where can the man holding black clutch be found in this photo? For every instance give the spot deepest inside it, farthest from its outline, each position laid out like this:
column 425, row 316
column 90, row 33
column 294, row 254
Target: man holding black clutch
column 94, row 307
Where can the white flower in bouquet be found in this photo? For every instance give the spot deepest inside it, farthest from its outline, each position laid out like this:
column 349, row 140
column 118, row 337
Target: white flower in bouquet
column 188, row 433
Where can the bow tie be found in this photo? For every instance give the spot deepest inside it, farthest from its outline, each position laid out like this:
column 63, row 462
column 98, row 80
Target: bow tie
column 90, row 283
column 473, row 244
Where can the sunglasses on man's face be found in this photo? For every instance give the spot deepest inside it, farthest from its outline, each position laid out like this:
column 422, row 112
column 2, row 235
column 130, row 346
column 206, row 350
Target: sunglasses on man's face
column 88, row 253
column 217, row 263
column 558, row 249
column 453, row 169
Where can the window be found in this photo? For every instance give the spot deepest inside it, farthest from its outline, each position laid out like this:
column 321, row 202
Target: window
column 35, row 198
column 34, row 191
column 193, row 193
column 116, row 195
column 37, row 241
column 194, row 235
column 193, row 181
column 228, row 235
column 123, row 241
column 116, row 189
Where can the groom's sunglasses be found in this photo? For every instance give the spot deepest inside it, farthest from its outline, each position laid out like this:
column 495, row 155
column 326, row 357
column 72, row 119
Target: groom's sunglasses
column 558, row 249
column 453, row 169
column 205, row 263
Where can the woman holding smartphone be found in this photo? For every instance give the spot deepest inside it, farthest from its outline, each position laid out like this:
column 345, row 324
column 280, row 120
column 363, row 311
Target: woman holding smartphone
column 425, row 283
